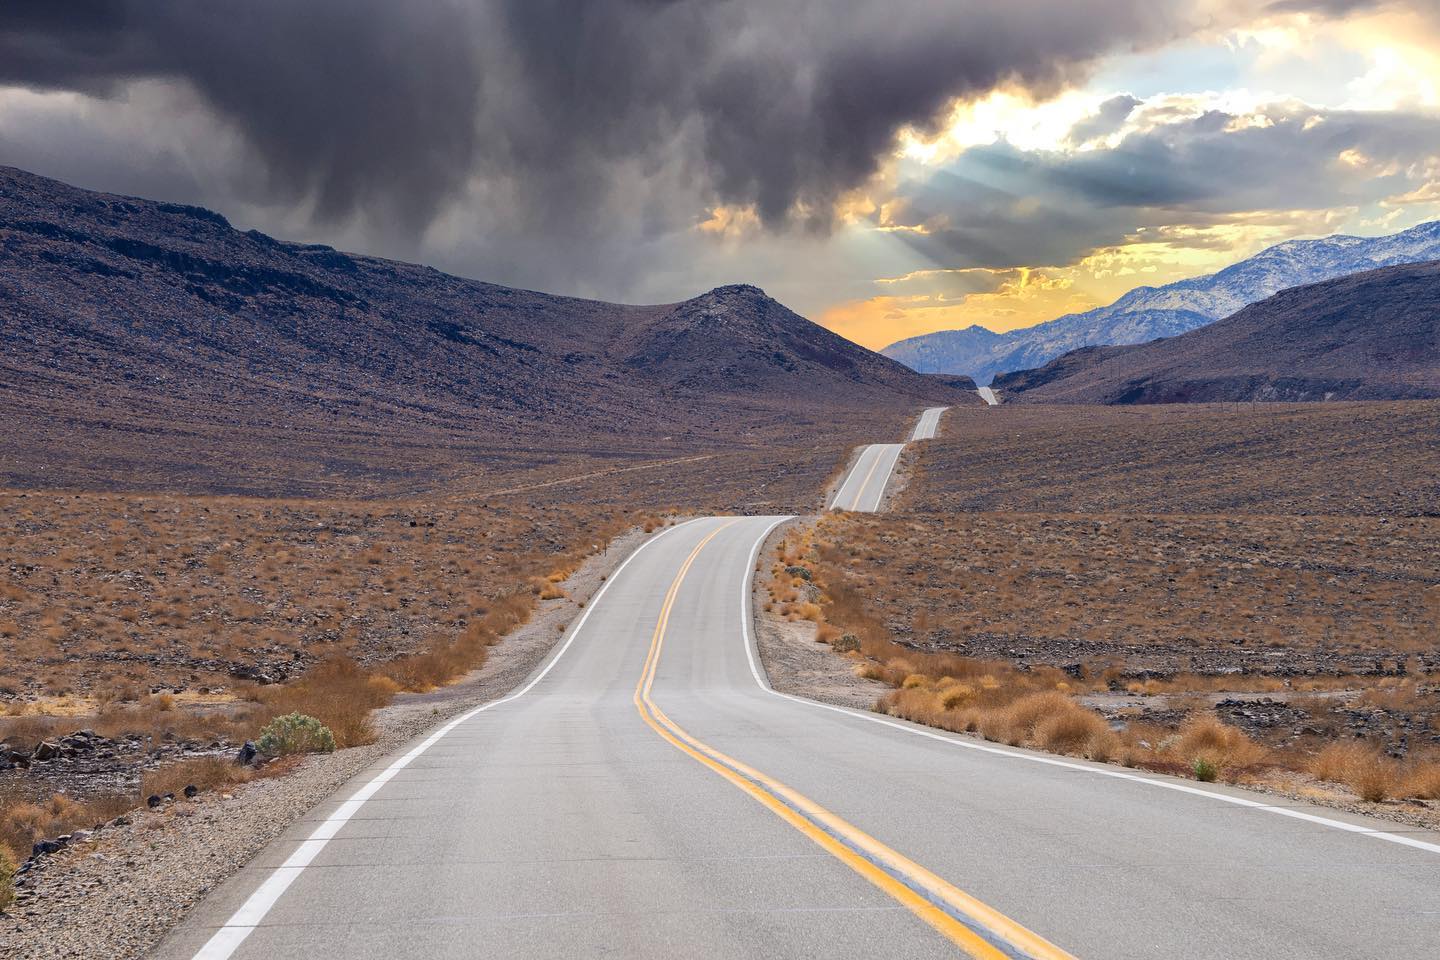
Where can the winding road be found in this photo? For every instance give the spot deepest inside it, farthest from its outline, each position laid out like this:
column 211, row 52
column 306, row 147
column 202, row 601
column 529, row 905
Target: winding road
column 863, row 488
column 645, row 794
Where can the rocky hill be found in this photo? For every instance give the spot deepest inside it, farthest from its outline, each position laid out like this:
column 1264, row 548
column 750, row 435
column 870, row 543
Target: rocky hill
column 126, row 317
column 1146, row 313
column 1368, row 336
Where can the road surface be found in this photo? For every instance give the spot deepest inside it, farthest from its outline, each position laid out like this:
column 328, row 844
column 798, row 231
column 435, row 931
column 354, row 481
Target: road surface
column 988, row 396
column 645, row 795
column 863, row 488
column 928, row 424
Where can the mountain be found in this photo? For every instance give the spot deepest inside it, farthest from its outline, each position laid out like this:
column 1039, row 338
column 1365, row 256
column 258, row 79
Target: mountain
column 1149, row 312
column 1367, row 336
column 124, row 317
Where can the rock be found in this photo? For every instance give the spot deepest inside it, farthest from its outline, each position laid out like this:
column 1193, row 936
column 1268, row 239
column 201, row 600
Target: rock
column 43, row 847
column 246, row 753
column 46, row 751
column 153, row 801
column 190, row 791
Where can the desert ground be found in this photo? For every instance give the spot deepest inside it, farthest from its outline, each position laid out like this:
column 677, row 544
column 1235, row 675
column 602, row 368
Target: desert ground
column 1246, row 593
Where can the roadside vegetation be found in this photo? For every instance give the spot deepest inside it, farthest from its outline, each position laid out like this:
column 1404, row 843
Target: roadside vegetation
column 144, row 639
column 908, row 603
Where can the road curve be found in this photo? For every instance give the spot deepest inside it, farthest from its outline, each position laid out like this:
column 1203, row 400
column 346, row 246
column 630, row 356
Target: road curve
column 863, row 488
column 646, row 795
column 988, row 395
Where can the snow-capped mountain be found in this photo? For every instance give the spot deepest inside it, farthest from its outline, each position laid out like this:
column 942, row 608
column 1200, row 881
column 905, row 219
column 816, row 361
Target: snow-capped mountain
column 1146, row 313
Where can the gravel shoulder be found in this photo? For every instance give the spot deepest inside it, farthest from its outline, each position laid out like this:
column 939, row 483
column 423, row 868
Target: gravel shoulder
column 114, row 896
column 793, row 661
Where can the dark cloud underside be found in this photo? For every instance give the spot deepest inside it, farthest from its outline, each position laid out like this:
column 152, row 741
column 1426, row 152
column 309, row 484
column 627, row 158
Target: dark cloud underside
column 389, row 111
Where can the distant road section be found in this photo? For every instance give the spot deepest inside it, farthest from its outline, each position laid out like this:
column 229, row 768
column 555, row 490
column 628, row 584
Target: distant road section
column 988, row 396
column 863, row 488
column 928, row 423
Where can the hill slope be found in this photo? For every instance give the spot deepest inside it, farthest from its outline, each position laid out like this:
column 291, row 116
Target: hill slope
column 122, row 315
column 1368, row 336
column 1146, row 313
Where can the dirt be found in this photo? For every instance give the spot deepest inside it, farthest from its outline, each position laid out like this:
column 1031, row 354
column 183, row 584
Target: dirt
column 794, row 662
column 113, row 895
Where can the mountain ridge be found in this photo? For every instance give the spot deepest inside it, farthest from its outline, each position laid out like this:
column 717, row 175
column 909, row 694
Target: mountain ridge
column 121, row 314
column 1147, row 312
column 1373, row 335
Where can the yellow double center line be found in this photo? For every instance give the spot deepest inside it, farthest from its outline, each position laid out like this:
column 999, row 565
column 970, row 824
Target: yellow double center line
column 979, row 930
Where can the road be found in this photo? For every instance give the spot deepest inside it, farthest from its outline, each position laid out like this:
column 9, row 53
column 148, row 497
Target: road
column 928, row 424
column 863, row 488
column 988, row 396
column 646, row 795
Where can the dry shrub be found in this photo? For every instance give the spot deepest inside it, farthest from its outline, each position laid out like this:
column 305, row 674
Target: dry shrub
column 1423, row 780
column 1078, row 732
column 204, row 773
column 1363, row 768
column 7, row 878
column 1225, row 747
column 339, row 694
column 24, row 822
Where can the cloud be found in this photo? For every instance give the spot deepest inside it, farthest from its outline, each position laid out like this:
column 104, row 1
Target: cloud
column 997, row 207
column 533, row 139
column 1107, row 120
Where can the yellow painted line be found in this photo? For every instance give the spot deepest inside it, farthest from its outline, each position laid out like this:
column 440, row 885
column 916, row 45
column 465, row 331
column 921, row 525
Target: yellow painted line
column 980, row 930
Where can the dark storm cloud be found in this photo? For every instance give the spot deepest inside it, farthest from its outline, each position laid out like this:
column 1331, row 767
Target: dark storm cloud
column 1108, row 119
column 347, row 102
column 998, row 207
column 564, row 115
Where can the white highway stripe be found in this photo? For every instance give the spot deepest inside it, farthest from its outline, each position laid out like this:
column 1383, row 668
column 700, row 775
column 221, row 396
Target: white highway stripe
column 244, row 920
column 748, row 637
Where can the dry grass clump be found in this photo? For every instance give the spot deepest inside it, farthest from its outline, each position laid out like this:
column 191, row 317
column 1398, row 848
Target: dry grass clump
column 23, row 822
column 1370, row 773
column 338, row 693
column 203, row 773
column 1206, row 739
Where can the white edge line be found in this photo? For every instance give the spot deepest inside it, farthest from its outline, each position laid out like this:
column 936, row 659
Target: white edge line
column 747, row 619
column 244, row 920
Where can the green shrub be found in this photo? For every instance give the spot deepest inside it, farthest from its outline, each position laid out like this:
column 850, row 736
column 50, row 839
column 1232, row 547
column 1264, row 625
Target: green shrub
column 1204, row 770
column 295, row 733
column 7, row 879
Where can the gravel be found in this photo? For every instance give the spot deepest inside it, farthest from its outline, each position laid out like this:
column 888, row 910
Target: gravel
column 113, row 895
column 794, row 662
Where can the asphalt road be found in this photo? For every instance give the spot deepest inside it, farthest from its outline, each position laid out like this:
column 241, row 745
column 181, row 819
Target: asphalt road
column 988, row 396
column 645, row 795
column 928, row 424
column 863, row 488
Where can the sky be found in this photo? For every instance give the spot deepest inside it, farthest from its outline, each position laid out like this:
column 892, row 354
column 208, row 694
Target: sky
column 885, row 167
